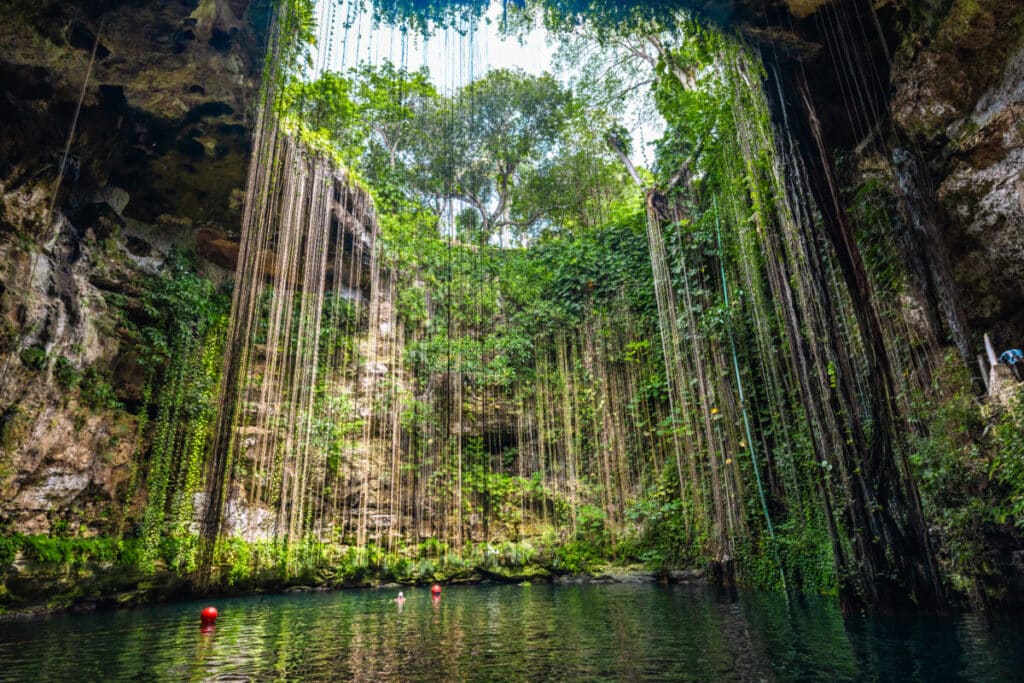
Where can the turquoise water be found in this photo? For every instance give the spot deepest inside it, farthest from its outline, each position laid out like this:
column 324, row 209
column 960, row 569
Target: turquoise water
column 515, row 633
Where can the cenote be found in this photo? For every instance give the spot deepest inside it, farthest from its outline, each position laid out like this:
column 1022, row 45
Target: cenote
column 327, row 295
column 509, row 633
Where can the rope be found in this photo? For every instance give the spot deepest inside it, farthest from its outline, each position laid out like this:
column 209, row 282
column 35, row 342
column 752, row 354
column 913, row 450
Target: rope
column 74, row 123
column 60, row 171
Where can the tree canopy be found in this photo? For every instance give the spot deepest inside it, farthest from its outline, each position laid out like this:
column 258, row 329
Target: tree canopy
column 511, row 154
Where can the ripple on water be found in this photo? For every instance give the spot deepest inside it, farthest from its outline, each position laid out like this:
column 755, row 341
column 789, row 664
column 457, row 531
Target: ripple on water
column 514, row 633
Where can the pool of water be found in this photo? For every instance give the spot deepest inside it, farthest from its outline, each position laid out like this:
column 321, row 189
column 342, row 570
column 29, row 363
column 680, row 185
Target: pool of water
column 504, row 632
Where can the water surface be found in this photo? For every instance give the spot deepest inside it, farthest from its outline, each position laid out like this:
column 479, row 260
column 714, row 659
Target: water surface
column 514, row 633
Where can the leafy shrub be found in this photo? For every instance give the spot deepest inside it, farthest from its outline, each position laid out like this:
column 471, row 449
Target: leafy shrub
column 9, row 547
column 967, row 462
column 34, row 358
column 590, row 527
column 73, row 551
column 422, row 570
column 1008, row 462
column 576, row 557
column 97, row 391
column 432, row 548
column 664, row 540
column 68, row 377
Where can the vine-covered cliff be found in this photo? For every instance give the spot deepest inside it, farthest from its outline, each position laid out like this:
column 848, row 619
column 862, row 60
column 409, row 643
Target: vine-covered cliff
column 498, row 412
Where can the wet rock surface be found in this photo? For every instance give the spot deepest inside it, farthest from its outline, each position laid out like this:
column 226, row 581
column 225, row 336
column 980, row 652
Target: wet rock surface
column 943, row 84
column 164, row 111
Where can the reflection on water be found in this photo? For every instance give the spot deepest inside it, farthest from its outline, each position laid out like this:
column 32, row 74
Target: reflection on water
column 496, row 633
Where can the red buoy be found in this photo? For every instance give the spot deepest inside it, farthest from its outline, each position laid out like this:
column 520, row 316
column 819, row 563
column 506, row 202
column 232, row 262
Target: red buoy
column 435, row 590
column 208, row 616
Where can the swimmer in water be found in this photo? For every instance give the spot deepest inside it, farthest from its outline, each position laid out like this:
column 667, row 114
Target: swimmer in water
column 401, row 598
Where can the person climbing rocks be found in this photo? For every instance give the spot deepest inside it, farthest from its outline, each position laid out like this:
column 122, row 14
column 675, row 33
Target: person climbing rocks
column 1015, row 359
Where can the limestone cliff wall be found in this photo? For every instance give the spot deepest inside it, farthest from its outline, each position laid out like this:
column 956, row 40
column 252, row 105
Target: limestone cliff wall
column 927, row 97
column 157, row 161
column 159, row 156
column 958, row 96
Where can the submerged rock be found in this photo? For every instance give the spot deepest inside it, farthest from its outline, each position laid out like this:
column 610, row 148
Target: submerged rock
column 685, row 575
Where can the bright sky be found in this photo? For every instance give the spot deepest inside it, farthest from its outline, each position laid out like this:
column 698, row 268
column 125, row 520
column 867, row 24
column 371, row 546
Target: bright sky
column 453, row 58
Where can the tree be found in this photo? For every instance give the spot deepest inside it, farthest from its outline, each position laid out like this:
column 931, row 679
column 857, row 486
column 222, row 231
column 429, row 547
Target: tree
column 389, row 100
column 488, row 143
column 326, row 106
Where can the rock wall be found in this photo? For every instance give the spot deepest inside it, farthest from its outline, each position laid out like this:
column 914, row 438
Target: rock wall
column 939, row 86
column 158, row 154
column 958, row 95
column 923, row 98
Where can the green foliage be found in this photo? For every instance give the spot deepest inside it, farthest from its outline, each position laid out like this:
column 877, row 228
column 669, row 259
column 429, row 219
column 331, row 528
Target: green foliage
column 593, row 268
column 432, row 548
column 577, row 557
column 242, row 563
column 325, row 107
column 67, row 375
column 505, row 125
column 179, row 303
column 591, row 527
column 511, row 555
column 804, row 549
column 608, row 18
column 425, row 15
column 296, row 35
column 182, row 351
column 1007, row 468
column 96, row 390
column 664, row 541
column 968, row 467
column 514, row 148
column 9, row 547
column 34, row 357
column 68, row 551
column 877, row 235
column 412, row 306
column 391, row 101
column 696, row 98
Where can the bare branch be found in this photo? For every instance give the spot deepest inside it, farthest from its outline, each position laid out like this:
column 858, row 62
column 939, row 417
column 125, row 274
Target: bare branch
column 616, row 146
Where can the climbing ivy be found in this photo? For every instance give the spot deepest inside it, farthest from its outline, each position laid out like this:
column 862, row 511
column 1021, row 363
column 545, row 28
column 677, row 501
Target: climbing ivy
column 182, row 352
